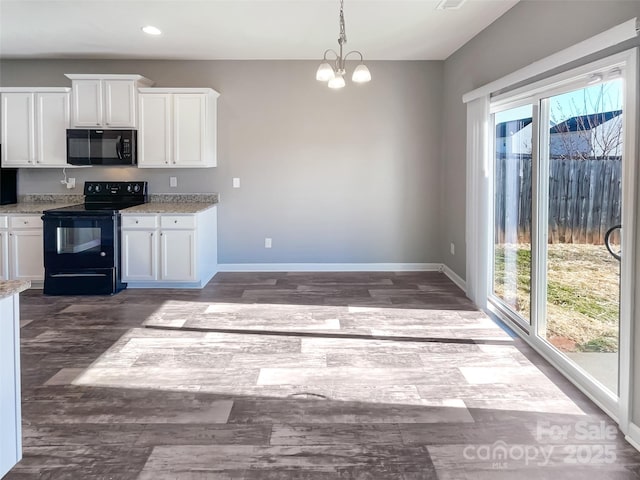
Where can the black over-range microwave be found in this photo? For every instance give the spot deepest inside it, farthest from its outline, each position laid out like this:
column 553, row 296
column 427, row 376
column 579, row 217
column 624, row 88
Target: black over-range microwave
column 101, row 147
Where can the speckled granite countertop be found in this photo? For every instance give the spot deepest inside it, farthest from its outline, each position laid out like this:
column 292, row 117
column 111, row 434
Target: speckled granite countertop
column 175, row 203
column 158, row 203
column 11, row 287
column 166, row 207
column 30, row 207
column 39, row 203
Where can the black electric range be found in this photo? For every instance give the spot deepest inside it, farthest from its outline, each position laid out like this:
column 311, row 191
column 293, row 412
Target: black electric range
column 82, row 254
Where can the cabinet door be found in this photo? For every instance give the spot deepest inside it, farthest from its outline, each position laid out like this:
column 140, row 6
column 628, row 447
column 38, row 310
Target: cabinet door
column 26, row 254
column 52, row 114
column 178, row 255
column 18, row 149
column 4, row 255
column 87, row 103
column 120, row 103
column 189, row 122
column 154, row 135
column 139, row 255
column 10, row 416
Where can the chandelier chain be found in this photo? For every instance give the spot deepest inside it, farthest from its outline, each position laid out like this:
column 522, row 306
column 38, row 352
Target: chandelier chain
column 343, row 32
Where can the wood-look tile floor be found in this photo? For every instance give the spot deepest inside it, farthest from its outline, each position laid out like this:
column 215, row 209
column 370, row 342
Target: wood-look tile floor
column 367, row 376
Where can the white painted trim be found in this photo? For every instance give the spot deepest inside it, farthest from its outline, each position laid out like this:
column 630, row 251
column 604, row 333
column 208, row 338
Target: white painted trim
column 35, row 90
column 455, row 278
column 572, row 79
column 478, row 210
column 330, row 267
column 633, row 436
column 168, row 284
column 608, row 38
column 629, row 243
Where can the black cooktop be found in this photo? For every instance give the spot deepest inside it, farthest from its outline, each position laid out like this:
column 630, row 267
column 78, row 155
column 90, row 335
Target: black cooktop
column 106, row 198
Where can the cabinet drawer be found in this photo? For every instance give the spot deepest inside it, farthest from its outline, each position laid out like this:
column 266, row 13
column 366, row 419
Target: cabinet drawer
column 139, row 221
column 4, row 221
column 25, row 221
column 178, row 221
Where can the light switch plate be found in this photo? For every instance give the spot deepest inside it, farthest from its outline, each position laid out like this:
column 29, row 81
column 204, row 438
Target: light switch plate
column 173, row 181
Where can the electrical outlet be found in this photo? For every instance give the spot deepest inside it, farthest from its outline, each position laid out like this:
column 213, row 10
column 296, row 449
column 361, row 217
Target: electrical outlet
column 71, row 183
column 453, row 248
column 236, row 182
column 267, row 242
column 173, row 181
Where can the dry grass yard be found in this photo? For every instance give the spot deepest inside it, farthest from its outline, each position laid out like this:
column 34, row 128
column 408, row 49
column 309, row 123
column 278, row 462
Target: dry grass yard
column 582, row 293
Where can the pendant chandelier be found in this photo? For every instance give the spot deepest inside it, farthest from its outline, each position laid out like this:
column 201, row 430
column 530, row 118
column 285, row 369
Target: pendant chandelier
column 334, row 75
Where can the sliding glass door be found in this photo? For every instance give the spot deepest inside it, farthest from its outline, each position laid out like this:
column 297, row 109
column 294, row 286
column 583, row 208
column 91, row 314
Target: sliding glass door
column 512, row 211
column 582, row 160
column 558, row 185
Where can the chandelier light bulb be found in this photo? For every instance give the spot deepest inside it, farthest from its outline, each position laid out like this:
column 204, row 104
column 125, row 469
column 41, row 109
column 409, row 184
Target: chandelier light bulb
column 361, row 74
column 325, row 72
column 336, row 82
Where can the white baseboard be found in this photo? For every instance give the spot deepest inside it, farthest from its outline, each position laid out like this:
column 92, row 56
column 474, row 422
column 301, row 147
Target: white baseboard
column 633, row 436
column 329, row 267
column 455, row 278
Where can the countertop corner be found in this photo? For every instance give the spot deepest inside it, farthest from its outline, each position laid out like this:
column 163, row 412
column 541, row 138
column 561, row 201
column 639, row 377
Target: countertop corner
column 12, row 287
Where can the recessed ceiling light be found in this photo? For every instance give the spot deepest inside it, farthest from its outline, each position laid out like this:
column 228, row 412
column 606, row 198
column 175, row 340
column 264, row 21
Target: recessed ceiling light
column 450, row 4
column 151, row 30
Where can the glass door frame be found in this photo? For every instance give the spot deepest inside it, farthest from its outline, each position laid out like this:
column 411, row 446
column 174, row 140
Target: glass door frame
column 617, row 406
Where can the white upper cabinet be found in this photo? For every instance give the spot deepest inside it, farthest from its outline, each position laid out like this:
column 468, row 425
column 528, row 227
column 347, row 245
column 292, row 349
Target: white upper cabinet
column 52, row 121
column 107, row 101
column 155, row 136
column 87, row 103
column 177, row 127
column 18, row 128
column 34, row 127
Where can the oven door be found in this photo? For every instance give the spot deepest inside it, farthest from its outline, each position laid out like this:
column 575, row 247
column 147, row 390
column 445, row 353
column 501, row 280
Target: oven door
column 73, row 243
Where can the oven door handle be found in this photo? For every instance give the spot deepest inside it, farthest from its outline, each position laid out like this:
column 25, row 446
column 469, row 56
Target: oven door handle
column 75, row 218
column 73, row 275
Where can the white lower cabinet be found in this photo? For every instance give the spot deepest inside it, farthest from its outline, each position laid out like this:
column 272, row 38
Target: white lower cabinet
column 4, row 255
column 178, row 260
column 140, row 252
column 169, row 250
column 22, row 251
column 10, row 411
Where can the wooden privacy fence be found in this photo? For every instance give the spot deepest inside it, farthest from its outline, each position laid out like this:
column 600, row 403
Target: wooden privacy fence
column 584, row 199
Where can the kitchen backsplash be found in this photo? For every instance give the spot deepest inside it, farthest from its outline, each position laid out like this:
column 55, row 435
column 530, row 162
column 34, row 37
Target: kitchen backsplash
column 157, row 198
column 50, row 198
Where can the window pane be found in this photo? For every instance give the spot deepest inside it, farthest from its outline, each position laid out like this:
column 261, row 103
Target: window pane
column 512, row 209
column 585, row 180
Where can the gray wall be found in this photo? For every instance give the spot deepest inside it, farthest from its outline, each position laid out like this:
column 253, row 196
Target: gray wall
column 528, row 32
column 347, row 176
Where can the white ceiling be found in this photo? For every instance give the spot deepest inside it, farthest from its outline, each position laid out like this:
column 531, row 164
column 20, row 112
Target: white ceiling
column 238, row 29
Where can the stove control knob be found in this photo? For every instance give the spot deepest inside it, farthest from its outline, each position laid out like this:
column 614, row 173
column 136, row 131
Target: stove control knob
column 103, row 254
column 89, row 188
column 129, row 188
column 136, row 187
column 97, row 188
